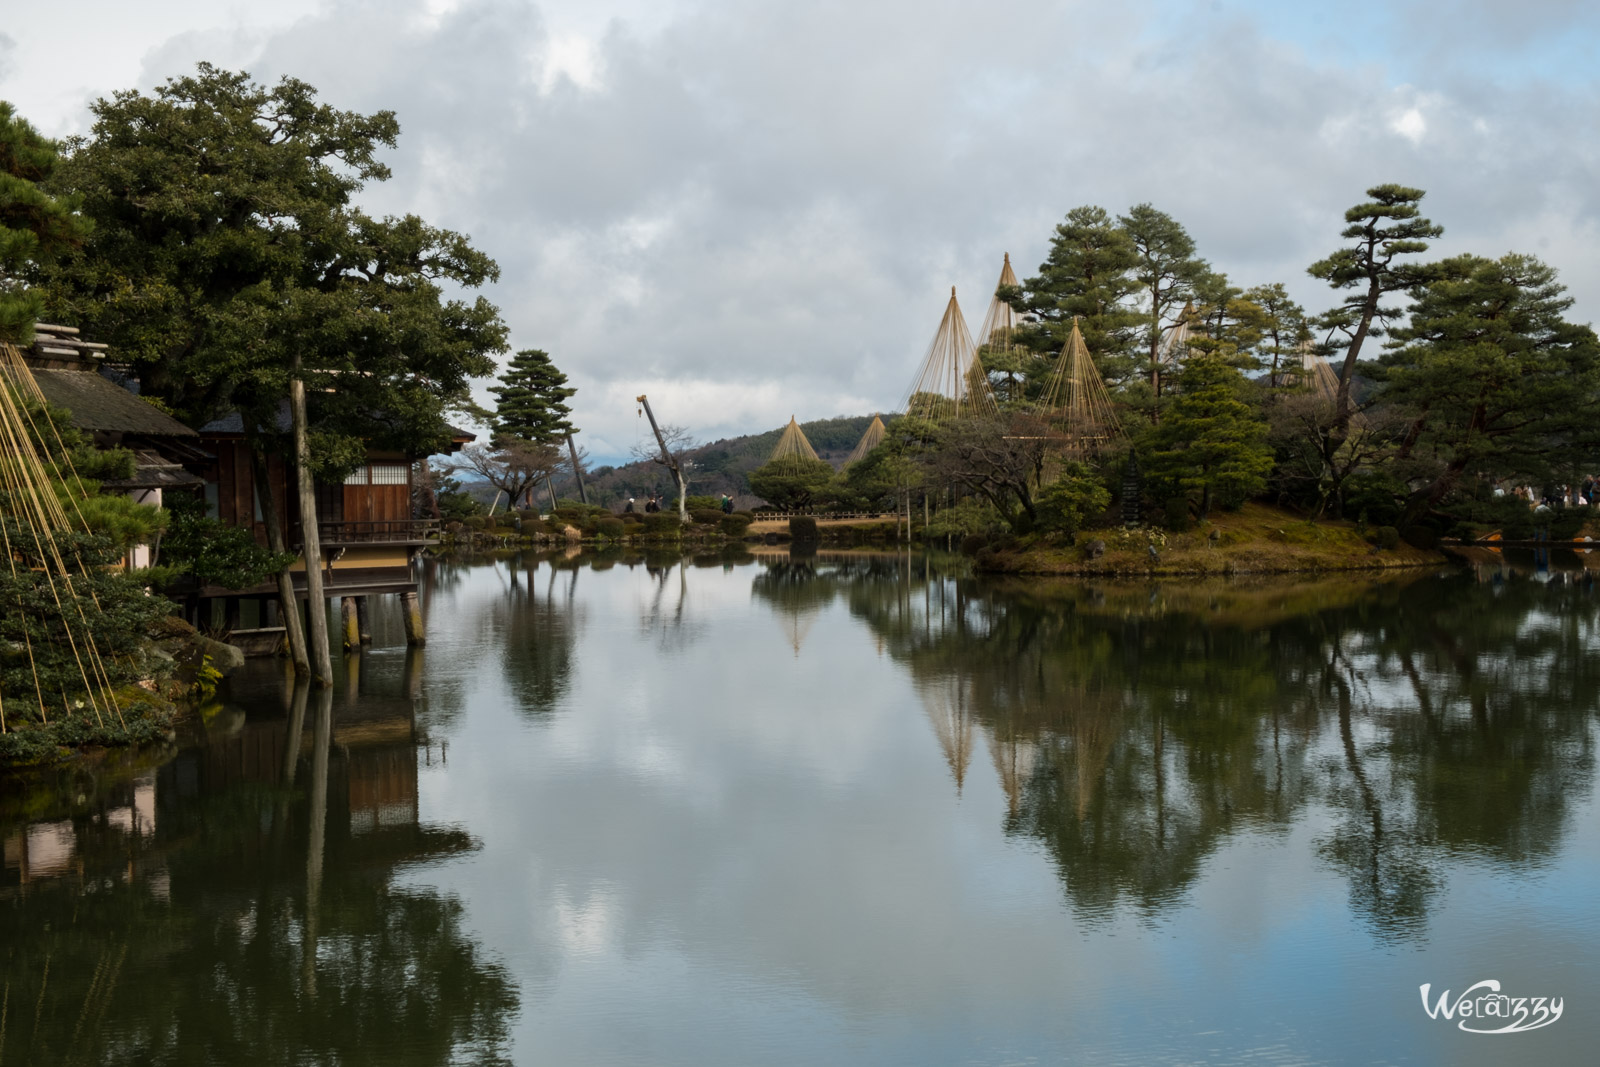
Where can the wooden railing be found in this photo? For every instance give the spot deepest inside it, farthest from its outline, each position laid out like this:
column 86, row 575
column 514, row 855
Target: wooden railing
column 378, row 531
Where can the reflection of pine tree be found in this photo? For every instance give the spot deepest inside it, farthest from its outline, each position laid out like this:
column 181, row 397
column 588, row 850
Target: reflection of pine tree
column 538, row 621
column 1134, row 735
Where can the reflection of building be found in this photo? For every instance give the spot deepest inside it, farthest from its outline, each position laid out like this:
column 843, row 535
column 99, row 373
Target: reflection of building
column 51, row 848
column 128, row 830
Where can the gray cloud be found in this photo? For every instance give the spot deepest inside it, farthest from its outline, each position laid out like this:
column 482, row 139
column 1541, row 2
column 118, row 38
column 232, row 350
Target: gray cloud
column 751, row 210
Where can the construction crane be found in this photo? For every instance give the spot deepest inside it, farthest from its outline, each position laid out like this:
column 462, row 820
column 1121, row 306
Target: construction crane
column 669, row 461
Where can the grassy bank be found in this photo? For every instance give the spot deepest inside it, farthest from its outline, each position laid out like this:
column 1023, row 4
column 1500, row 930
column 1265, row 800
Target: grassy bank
column 1256, row 539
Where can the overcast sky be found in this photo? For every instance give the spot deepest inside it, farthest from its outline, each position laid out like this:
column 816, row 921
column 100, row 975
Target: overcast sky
column 749, row 210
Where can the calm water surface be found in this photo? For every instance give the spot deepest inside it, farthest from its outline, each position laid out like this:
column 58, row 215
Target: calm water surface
column 844, row 809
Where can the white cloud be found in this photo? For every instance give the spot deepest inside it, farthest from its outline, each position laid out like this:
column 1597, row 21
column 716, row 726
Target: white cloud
column 756, row 208
column 1410, row 124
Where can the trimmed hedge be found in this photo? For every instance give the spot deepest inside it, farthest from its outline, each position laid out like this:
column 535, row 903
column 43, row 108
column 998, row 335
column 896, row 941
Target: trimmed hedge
column 663, row 522
column 803, row 528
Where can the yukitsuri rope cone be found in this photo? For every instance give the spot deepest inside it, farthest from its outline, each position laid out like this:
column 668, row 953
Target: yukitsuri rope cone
column 1175, row 345
column 950, row 384
column 1319, row 375
column 1001, row 319
column 1076, row 404
column 793, row 447
column 869, row 440
column 32, row 511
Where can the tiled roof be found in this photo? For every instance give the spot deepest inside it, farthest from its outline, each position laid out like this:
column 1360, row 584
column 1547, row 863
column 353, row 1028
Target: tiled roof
column 99, row 404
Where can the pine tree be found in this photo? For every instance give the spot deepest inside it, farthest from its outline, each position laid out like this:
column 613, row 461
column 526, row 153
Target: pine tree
column 1283, row 330
column 532, row 399
column 34, row 226
column 1167, row 271
column 1494, row 380
column 1209, row 441
column 1089, row 274
column 1387, row 226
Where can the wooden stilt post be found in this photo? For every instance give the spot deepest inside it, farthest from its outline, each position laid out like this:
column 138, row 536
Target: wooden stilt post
column 411, row 609
column 364, row 620
column 350, row 618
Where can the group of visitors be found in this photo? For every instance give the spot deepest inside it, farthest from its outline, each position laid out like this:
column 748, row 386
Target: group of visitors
column 653, row 505
column 1556, row 496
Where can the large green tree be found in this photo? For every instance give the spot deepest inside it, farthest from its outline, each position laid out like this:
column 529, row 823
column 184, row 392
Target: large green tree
column 1379, row 232
column 35, row 227
column 1227, row 324
column 1089, row 274
column 1167, row 271
column 1210, row 445
column 1283, row 329
column 532, row 399
column 228, row 246
column 1495, row 381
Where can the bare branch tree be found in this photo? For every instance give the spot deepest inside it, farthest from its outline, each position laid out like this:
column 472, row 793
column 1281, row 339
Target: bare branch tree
column 678, row 440
column 513, row 466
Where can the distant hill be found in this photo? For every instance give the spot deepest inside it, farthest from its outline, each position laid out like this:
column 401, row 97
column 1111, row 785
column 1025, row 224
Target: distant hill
column 721, row 466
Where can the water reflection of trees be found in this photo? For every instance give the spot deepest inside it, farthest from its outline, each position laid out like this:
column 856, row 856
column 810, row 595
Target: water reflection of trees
column 1135, row 729
column 536, row 626
column 252, row 915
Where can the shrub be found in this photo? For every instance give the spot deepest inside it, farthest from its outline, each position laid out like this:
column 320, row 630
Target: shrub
column 1387, row 537
column 576, row 516
column 1176, row 514
column 803, row 528
column 706, row 516
column 1068, row 502
column 1567, row 522
column 611, row 529
column 631, row 516
column 662, row 523
column 734, row 525
column 700, row 503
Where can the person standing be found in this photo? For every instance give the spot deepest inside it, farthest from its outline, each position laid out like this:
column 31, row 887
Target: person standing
column 727, row 504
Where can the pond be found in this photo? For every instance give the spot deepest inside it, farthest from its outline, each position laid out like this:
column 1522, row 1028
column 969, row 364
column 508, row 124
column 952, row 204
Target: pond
column 847, row 808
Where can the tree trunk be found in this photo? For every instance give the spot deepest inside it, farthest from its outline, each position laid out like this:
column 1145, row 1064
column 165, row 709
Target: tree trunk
column 310, row 541
column 1342, row 405
column 288, row 603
